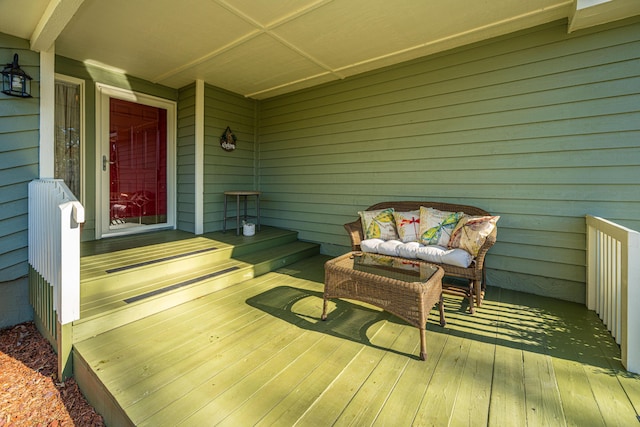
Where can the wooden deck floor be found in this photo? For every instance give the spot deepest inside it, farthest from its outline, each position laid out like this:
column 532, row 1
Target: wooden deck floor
column 257, row 354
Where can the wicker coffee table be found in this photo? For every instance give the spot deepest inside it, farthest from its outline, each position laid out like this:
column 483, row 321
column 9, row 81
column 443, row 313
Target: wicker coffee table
column 408, row 290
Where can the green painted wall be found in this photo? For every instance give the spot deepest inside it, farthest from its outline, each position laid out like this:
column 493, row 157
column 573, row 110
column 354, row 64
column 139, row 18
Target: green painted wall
column 223, row 170
column 19, row 122
column 539, row 127
column 227, row 170
column 185, row 159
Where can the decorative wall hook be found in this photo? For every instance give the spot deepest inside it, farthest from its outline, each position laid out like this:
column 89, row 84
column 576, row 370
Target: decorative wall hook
column 228, row 140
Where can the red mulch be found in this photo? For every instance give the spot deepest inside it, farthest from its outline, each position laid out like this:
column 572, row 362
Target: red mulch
column 30, row 394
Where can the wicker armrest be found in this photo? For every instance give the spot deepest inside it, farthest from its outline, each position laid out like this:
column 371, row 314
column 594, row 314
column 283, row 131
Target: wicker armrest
column 491, row 239
column 354, row 229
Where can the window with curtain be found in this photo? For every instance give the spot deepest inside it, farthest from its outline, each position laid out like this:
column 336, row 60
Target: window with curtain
column 68, row 134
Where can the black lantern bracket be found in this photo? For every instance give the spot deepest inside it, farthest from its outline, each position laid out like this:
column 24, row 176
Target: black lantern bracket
column 16, row 82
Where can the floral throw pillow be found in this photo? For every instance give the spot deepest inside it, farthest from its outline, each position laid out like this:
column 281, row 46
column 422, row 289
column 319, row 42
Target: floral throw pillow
column 471, row 233
column 379, row 224
column 436, row 226
column 408, row 225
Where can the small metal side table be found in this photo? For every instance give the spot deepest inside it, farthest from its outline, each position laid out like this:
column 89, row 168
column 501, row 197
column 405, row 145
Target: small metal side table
column 244, row 195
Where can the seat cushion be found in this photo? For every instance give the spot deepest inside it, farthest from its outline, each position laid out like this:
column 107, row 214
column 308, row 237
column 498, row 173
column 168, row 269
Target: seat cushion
column 390, row 247
column 370, row 245
column 414, row 250
column 442, row 255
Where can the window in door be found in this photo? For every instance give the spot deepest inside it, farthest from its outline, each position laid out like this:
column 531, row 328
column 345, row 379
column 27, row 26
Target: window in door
column 138, row 164
column 69, row 133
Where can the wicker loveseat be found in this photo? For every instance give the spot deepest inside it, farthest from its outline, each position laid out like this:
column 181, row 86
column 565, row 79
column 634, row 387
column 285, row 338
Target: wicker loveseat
column 474, row 273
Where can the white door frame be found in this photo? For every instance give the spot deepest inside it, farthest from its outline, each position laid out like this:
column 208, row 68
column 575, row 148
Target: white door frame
column 103, row 94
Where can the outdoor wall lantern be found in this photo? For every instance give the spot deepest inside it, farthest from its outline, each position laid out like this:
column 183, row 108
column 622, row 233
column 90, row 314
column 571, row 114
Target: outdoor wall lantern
column 16, row 82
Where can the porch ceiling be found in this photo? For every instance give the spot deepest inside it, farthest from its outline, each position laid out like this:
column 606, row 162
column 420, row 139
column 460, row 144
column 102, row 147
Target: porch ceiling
column 261, row 48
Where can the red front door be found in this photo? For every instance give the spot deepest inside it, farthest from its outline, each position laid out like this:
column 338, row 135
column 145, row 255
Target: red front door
column 137, row 164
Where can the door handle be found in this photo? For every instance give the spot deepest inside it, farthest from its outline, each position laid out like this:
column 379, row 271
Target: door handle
column 104, row 163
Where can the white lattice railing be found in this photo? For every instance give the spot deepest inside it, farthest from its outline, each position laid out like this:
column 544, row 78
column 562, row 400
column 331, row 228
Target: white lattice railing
column 54, row 247
column 613, row 284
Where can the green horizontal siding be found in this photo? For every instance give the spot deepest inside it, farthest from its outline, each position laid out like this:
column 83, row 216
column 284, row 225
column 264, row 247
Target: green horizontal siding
column 227, row 170
column 540, row 127
column 185, row 174
column 19, row 136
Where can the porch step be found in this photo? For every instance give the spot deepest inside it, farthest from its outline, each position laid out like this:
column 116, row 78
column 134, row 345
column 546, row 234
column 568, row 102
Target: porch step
column 150, row 276
column 154, row 257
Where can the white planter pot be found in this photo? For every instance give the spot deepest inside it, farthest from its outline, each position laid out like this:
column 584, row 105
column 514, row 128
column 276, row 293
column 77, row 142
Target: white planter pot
column 249, row 229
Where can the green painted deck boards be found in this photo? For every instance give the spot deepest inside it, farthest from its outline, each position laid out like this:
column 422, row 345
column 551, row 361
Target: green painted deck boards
column 256, row 353
column 129, row 278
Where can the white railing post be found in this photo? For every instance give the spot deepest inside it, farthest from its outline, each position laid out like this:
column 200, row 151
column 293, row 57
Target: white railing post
column 54, row 243
column 592, row 260
column 613, row 284
column 71, row 215
column 54, row 254
column 631, row 358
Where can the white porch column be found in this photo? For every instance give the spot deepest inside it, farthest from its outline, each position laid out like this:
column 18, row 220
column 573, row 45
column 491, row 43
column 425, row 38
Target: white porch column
column 47, row 117
column 199, row 159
